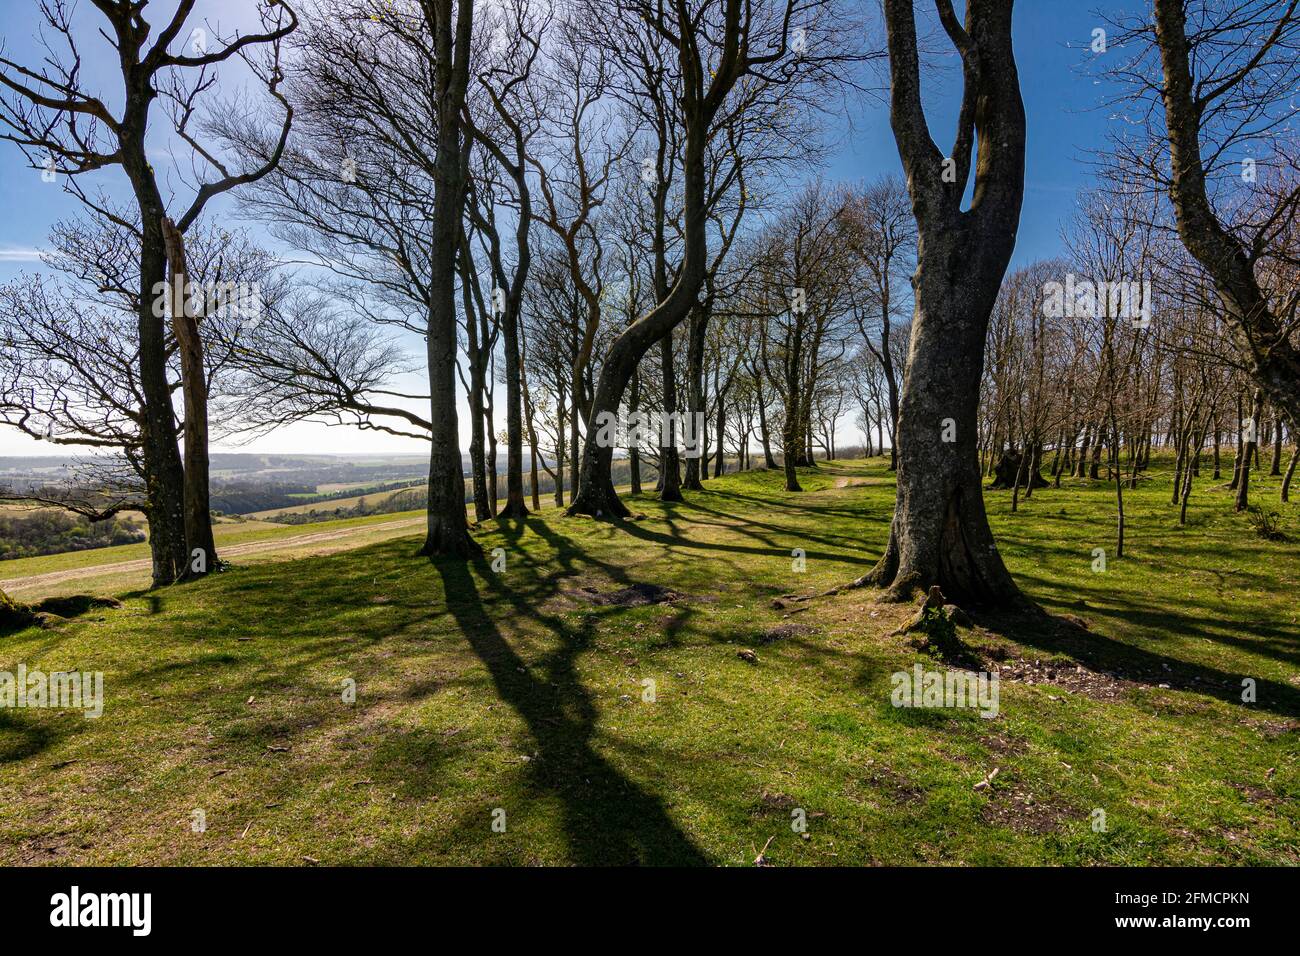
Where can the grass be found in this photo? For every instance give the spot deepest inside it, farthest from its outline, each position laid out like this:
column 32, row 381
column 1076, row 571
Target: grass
column 375, row 498
column 227, row 534
column 516, row 691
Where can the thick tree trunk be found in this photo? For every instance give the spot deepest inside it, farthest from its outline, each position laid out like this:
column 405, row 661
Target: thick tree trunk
column 596, row 495
column 634, row 453
column 516, row 507
column 200, row 543
column 164, row 475
column 448, row 529
column 477, row 384
column 940, row 533
column 699, row 106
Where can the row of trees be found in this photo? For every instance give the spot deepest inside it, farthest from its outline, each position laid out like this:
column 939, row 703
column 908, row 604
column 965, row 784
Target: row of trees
column 598, row 205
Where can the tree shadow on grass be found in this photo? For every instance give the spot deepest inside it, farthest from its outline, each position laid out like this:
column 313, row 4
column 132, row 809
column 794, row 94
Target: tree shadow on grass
column 21, row 737
column 1165, row 617
column 609, row 819
column 1036, row 627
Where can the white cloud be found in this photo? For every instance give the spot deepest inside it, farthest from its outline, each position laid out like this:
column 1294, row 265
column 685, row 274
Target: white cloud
column 20, row 255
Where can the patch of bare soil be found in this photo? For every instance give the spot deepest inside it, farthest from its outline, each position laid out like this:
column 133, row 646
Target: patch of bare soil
column 1018, row 809
column 1273, row 728
column 1254, row 794
column 1073, row 677
column 773, row 802
column 636, row 595
column 782, row 632
column 897, row 787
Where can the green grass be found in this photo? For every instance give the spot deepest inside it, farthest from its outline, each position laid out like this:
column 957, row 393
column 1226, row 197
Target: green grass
column 331, row 504
column 478, row 691
column 226, row 533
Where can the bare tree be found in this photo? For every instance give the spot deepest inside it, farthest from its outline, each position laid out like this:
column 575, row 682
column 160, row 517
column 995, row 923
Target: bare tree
column 59, row 124
column 880, row 229
column 1223, row 74
column 940, row 533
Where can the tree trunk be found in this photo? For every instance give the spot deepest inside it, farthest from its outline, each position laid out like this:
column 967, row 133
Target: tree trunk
column 698, row 326
column 448, row 529
column 200, row 543
column 1276, row 468
column 670, row 488
column 1252, row 441
column 1290, row 473
column 764, row 435
column 477, row 364
column 634, row 453
column 940, row 533
column 516, row 506
column 1236, row 461
column 164, row 475
column 699, row 106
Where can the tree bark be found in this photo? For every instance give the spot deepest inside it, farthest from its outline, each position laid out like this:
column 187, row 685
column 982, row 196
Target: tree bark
column 448, row 529
column 200, row 543
column 1290, row 473
column 940, row 533
column 670, row 487
column 699, row 323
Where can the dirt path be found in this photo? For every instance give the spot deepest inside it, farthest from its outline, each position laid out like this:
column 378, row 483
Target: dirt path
column 331, row 540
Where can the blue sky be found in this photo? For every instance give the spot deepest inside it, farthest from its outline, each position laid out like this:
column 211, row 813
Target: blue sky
column 1062, row 101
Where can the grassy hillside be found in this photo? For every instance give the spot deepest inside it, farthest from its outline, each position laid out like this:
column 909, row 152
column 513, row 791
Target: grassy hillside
column 84, row 571
column 334, row 503
column 523, row 692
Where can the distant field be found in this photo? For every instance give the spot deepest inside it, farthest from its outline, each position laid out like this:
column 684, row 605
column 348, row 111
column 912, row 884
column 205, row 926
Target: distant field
column 330, row 487
column 331, row 505
column 54, row 575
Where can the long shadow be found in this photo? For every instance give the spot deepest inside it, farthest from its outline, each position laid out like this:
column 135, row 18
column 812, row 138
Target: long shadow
column 608, row 818
column 636, row 530
column 1038, row 628
column 1265, row 640
column 748, row 526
